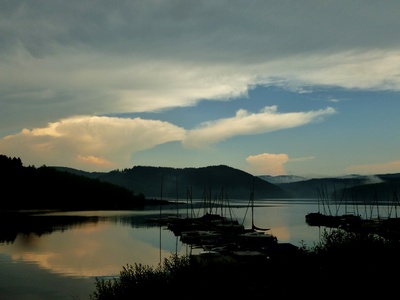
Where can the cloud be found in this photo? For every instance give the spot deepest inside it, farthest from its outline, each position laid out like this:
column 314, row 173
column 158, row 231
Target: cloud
column 104, row 143
column 245, row 123
column 370, row 169
column 89, row 142
column 372, row 69
column 268, row 164
column 93, row 160
column 143, row 56
column 72, row 58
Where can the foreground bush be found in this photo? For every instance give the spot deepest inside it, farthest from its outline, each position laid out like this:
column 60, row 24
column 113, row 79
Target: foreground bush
column 343, row 263
column 178, row 277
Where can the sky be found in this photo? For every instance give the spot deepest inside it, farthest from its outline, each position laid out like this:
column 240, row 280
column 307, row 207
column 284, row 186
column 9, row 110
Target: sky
column 306, row 88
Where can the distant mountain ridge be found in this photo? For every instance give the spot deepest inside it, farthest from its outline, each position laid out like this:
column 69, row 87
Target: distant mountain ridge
column 237, row 184
column 355, row 187
column 211, row 181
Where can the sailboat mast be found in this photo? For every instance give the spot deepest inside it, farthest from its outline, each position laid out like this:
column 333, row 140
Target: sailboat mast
column 252, row 205
column 161, row 195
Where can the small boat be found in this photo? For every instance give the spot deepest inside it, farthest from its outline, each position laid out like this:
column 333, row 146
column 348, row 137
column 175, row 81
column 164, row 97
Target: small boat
column 319, row 219
column 256, row 239
column 199, row 236
column 206, row 222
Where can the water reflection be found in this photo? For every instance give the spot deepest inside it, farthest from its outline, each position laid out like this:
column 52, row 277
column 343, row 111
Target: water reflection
column 90, row 249
column 92, row 244
column 27, row 223
column 26, row 281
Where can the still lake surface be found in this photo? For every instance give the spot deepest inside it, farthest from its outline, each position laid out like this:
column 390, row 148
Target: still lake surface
column 64, row 262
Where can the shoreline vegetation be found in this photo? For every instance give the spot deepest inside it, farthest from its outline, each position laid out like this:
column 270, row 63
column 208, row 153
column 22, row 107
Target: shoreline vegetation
column 342, row 264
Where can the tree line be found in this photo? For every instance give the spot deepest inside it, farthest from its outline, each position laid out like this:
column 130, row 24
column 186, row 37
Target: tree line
column 47, row 188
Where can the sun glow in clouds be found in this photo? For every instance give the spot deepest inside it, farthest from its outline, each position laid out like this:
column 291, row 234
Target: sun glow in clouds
column 90, row 142
column 97, row 143
column 268, row 164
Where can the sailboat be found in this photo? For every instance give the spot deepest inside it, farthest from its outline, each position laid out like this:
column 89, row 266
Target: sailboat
column 209, row 222
column 256, row 236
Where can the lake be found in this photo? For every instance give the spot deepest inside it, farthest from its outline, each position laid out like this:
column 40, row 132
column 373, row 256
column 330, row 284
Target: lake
column 62, row 263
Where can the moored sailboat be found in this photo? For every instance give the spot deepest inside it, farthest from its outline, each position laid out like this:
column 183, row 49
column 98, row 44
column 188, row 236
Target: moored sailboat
column 256, row 237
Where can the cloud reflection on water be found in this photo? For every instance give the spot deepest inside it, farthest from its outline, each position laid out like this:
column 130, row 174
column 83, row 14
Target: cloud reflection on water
column 94, row 249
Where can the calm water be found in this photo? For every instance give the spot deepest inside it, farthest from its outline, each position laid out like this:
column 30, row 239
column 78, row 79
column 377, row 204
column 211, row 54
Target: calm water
column 64, row 263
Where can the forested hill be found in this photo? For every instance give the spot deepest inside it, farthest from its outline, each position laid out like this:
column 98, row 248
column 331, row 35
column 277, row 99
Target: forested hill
column 197, row 183
column 66, row 188
column 47, row 188
column 237, row 184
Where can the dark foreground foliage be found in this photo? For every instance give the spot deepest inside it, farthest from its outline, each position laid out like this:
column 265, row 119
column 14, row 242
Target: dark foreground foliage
column 343, row 264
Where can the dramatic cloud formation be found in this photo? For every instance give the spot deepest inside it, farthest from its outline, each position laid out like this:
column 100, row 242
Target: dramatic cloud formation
column 172, row 65
column 85, row 140
column 107, row 142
